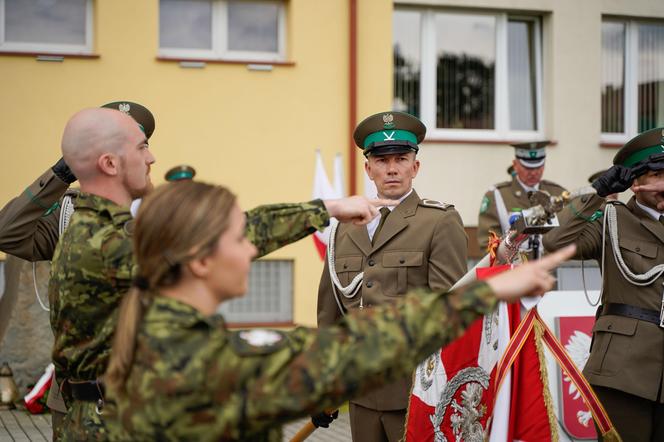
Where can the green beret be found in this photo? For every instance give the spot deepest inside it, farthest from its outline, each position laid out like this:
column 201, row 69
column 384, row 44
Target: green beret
column 642, row 147
column 138, row 112
column 389, row 132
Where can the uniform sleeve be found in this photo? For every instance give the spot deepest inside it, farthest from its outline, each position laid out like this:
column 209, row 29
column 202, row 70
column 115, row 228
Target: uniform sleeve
column 580, row 224
column 449, row 252
column 29, row 222
column 488, row 220
column 327, row 309
column 368, row 349
column 273, row 226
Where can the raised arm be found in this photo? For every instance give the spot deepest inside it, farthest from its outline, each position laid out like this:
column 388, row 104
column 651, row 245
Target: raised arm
column 29, row 222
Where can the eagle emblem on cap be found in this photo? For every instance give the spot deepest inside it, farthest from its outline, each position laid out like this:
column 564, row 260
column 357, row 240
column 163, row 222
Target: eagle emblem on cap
column 124, row 107
column 388, row 120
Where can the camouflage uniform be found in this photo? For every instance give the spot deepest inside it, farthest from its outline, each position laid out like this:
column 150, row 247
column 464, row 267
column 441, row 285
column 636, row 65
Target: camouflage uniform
column 193, row 379
column 93, row 267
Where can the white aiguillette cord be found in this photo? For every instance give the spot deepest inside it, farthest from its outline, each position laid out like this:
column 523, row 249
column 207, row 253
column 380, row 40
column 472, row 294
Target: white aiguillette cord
column 351, row 289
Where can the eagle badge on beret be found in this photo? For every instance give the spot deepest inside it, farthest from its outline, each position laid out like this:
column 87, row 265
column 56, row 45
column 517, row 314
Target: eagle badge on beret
column 124, row 107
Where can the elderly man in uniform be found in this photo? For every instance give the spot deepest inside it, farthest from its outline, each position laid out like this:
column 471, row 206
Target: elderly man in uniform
column 417, row 243
column 626, row 362
column 509, row 197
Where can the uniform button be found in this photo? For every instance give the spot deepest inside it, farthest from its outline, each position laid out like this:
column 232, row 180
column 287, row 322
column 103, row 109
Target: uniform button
column 609, row 327
column 402, row 261
column 369, row 284
column 345, row 266
column 41, row 183
column 638, row 249
column 371, row 263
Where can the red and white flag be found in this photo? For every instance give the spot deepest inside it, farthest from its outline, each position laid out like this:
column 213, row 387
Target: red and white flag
column 323, row 189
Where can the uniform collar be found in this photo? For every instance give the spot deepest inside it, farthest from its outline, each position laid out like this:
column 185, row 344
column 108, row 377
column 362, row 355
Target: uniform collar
column 165, row 309
column 402, row 199
column 535, row 188
column 654, row 214
column 117, row 214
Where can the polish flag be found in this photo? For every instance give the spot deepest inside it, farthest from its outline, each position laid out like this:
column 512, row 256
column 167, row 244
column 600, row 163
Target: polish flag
column 323, row 189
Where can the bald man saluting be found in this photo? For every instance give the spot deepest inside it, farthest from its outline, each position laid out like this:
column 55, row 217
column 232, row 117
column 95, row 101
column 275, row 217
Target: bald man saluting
column 92, row 263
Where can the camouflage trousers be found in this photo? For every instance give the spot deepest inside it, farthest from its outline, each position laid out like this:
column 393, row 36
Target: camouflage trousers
column 81, row 423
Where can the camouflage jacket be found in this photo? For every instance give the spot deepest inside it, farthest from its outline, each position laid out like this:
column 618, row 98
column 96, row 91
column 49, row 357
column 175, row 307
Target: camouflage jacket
column 193, row 379
column 93, row 268
column 29, row 223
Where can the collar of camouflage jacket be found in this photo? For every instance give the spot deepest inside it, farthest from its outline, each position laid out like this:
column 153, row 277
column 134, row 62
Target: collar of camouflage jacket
column 172, row 312
column 119, row 215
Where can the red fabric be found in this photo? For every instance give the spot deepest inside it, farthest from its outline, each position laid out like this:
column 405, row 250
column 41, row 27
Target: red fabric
column 483, row 273
column 321, row 247
column 460, row 354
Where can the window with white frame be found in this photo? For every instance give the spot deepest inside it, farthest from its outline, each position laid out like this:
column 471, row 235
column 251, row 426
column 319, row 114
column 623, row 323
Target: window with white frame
column 252, row 30
column 46, row 26
column 269, row 298
column 632, row 78
column 469, row 75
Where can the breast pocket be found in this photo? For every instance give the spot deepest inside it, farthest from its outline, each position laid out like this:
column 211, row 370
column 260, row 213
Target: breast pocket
column 638, row 255
column 348, row 267
column 400, row 262
column 612, row 343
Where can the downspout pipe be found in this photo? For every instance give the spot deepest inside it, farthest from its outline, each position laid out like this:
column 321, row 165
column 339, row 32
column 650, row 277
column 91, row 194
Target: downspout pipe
column 352, row 98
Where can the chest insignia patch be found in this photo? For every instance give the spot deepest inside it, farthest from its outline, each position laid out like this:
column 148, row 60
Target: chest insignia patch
column 486, row 202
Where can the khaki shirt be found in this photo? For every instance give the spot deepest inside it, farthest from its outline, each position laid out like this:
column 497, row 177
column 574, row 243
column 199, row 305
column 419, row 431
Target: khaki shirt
column 421, row 244
column 627, row 354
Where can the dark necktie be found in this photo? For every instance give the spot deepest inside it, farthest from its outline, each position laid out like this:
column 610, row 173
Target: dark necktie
column 384, row 212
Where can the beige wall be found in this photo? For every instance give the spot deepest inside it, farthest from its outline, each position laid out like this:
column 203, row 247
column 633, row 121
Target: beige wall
column 253, row 131
column 461, row 173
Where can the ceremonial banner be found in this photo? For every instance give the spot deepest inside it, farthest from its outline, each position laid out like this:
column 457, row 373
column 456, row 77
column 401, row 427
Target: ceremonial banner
column 575, row 333
column 324, row 190
column 452, row 398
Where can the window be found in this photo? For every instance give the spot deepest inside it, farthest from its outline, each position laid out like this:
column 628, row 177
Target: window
column 46, row 26
column 632, row 78
column 250, row 30
column 269, row 298
column 467, row 75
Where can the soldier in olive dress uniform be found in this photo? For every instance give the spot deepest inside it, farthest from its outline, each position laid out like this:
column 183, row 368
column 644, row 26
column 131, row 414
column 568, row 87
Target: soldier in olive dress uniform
column 509, row 197
column 417, row 243
column 626, row 362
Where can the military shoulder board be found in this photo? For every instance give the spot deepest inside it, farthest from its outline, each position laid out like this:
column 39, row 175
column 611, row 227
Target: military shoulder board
column 435, row 204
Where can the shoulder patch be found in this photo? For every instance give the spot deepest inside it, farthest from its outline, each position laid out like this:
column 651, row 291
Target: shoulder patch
column 486, row 202
column 435, row 204
column 257, row 341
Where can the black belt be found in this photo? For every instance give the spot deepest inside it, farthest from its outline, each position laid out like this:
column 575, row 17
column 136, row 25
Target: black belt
column 87, row 391
column 630, row 311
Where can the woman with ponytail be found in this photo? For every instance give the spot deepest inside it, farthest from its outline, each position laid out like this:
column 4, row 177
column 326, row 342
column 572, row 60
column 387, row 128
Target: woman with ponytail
column 177, row 373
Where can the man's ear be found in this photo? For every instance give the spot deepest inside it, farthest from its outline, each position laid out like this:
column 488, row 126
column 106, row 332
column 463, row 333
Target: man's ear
column 108, row 164
column 367, row 169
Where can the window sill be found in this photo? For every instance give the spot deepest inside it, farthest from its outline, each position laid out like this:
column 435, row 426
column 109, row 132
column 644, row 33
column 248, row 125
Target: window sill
column 610, row 145
column 49, row 54
column 223, row 61
column 477, row 141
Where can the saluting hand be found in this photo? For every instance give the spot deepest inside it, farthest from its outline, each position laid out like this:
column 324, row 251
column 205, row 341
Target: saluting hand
column 356, row 209
column 529, row 279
